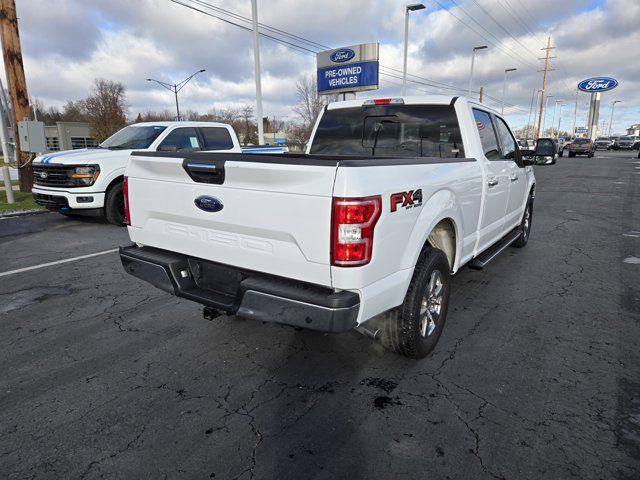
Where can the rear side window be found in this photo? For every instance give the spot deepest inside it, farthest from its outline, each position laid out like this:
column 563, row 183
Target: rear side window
column 181, row 140
column 487, row 135
column 509, row 146
column 390, row 131
column 216, row 138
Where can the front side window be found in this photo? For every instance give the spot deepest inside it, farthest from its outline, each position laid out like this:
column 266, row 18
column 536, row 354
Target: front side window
column 216, row 138
column 509, row 146
column 487, row 134
column 390, row 131
column 133, row 137
column 181, row 140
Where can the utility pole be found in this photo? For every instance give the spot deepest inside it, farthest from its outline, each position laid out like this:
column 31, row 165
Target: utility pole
column 17, row 85
column 544, row 82
column 481, row 93
column 256, row 66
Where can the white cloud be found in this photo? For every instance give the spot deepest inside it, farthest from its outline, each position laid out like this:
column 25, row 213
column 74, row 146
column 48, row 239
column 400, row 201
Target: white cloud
column 68, row 43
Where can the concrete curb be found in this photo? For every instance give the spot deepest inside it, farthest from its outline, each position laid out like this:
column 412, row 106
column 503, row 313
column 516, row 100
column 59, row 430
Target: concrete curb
column 22, row 213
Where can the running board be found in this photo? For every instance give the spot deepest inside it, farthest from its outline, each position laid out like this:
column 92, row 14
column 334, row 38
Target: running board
column 496, row 249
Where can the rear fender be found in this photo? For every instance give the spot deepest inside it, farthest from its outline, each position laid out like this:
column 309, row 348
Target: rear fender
column 440, row 206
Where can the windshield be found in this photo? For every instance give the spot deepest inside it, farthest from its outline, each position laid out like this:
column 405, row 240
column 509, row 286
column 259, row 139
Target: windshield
column 133, row 137
column 390, row 131
column 626, row 138
column 602, row 139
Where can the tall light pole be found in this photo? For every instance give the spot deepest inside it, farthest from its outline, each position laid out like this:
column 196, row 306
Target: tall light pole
column 575, row 114
column 536, row 121
column 176, row 87
column 504, row 85
column 613, row 104
column 256, row 66
column 409, row 8
column 553, row 119
column 533, row 98
column 544, row 116
column 473, row 57
column 559, row 120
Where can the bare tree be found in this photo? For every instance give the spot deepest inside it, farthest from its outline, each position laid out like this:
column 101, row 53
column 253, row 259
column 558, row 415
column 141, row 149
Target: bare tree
column 309, row 105
column 74, row 111
column 105, row 108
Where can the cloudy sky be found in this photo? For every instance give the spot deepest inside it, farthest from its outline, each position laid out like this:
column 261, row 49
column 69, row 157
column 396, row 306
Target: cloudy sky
column 68, row 43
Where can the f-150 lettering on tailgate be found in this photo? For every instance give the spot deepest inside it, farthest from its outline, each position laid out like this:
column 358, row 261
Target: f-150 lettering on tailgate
column 221, row 238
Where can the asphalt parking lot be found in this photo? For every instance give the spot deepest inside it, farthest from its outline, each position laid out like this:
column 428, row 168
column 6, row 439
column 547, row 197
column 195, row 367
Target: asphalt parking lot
column 537, row 374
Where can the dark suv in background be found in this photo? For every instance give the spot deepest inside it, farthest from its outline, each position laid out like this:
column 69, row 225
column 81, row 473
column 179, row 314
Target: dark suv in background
column 582, row 146
column 626, row 142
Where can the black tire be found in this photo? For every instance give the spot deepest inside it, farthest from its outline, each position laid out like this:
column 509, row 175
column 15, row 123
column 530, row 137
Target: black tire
column 405, row 330
column 571, row 155
column 114, row 205
column 561, row 153
column 525, row 225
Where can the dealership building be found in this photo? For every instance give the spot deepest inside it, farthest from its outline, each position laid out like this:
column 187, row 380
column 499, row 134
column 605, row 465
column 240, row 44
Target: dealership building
column 68, row 136
column 634, row 130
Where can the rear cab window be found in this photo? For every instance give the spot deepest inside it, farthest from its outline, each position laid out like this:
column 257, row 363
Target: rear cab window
column 394, row 130
column 216, row 138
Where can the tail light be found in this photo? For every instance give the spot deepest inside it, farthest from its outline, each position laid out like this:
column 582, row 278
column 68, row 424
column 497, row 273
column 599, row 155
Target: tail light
column 125, row 194
column 353, row 222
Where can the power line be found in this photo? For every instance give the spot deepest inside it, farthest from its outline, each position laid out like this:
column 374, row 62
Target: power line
column 497, row 40
column 313, row 50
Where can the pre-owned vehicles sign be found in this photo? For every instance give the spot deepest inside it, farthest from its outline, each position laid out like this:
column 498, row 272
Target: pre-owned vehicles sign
column 348, row 69
column 598, row 84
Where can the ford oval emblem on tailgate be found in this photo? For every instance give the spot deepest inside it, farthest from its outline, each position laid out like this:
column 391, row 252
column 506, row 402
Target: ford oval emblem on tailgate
column 208, row 204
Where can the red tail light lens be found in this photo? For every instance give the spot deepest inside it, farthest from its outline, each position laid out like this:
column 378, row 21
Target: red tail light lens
column 125, row 194
column 353, row 223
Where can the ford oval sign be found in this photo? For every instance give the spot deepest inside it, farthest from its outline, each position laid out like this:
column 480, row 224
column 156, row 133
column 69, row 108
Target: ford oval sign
column 342, row 55
column 598, row 84
column 208, row 204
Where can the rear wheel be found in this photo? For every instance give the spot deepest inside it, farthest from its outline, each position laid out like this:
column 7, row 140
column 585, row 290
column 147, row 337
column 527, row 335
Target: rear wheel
column 571, row 155
column 525, row 225
column 414, row 328
column 114, row 205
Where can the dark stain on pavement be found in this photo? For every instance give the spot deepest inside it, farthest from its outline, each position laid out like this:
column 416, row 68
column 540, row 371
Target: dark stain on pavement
column 22, row 298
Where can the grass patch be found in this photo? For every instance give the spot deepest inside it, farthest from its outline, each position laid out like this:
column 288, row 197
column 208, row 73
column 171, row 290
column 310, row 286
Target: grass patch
column 24, row 201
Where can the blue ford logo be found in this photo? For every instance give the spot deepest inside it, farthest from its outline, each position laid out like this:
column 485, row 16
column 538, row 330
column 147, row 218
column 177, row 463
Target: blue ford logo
column 342, row 55
column 208, row 204
column 598, row 84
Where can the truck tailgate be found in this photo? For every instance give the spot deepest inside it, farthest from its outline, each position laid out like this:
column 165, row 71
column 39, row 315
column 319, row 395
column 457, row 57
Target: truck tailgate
column 275, row 216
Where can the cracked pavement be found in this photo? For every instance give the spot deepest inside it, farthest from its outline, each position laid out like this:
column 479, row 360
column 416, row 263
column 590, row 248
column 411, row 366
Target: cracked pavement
column 537, row 374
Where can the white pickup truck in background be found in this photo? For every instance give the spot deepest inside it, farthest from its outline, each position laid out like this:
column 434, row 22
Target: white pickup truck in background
column 89, row 181
column 365, row 230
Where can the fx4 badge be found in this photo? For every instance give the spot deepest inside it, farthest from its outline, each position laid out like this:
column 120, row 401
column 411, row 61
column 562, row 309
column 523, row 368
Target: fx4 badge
column 410, row 199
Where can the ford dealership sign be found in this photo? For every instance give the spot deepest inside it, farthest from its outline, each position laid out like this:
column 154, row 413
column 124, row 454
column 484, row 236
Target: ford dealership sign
column 349, row 69
column 343, row 55
column 598, row 84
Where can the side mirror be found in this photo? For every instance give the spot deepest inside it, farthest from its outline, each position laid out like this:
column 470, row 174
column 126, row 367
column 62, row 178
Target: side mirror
column 545, row 147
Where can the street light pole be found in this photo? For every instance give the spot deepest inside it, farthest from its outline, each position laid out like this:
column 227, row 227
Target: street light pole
column 559, row 120
column 613, row 104
column 409, row 8
column 176, row 87
column 473, row 57
column 504, row 85
column 544, row 116
column 553, row 119
column 575, row 115
column 256, row 66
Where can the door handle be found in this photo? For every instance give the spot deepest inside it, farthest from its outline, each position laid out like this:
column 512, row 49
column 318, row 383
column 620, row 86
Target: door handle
column 492, row 182
column 514, row 177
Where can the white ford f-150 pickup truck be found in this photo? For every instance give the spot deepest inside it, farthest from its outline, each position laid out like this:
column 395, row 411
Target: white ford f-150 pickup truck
column 364, row 230
column 89, row 181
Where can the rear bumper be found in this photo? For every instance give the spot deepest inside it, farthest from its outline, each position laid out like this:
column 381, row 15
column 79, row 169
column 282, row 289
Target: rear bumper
column 248, row 294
